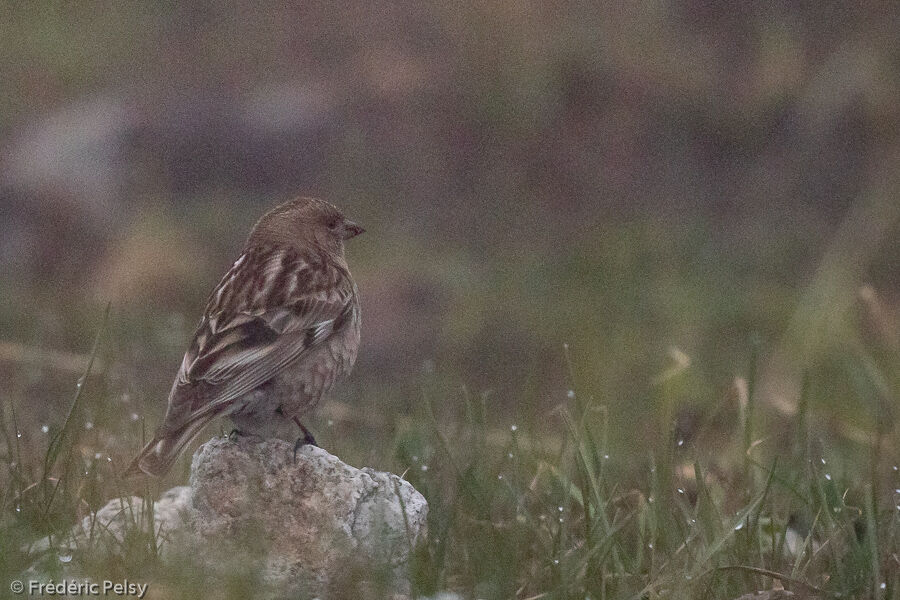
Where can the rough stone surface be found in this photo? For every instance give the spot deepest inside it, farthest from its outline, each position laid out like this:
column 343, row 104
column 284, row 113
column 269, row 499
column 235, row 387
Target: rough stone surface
column 301, row 528
column 312, row 519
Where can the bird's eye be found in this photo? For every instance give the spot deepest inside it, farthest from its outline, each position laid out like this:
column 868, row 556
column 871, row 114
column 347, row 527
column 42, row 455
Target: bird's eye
column 334, row 223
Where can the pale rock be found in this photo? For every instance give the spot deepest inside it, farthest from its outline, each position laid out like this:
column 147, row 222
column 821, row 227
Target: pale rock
column 313, row 520
column 309, row 527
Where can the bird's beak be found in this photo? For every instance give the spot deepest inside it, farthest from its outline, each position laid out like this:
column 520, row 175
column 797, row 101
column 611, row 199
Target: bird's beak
column 352, row 230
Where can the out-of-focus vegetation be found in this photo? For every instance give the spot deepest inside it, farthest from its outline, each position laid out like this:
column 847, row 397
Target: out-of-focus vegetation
column 686, row 195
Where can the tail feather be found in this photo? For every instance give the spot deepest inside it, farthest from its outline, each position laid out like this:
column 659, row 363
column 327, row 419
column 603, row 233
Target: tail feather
column 158, row 455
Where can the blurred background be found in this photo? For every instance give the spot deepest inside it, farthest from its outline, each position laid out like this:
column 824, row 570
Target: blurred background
column 675, row 187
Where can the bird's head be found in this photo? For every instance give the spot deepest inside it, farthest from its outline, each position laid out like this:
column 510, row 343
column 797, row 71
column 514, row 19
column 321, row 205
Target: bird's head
column 306, row 222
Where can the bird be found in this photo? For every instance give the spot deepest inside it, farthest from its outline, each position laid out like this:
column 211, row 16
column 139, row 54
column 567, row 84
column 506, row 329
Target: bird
column 279, row 329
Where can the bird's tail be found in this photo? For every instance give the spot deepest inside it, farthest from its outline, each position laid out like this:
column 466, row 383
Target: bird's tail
column 158, row 455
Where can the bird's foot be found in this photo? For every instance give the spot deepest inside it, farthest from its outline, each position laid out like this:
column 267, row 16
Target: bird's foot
column 306, row 440
column 234, row 433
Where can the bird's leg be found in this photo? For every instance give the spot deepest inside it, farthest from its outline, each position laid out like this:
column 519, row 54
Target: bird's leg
column 234, row 433
column 307, row 438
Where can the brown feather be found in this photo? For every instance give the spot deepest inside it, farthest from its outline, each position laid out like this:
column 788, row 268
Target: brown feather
column 277, row 331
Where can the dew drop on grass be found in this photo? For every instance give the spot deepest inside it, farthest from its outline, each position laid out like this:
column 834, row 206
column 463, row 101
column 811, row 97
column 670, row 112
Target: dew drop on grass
column 108, row 459
column 18, row 509
column 739, row 526
column 650, row 499
column 45, row 428
column 424, row 467
column 65, row 558
column 897, row 491
column 650, row 545
column 513, row 428
column 883, row 585
column 606, row 457
column 509, row 455
column 330, row 423
column 680, row 490
column 560, row 508
column 823, row 460
column 97, row 456
column 18, row 434
column 555, row 561
column 680, row 443
column 566, row 346
column 88, row 425
column 828, row 476
column 895, row 468
column 570, row 393
column 500, row 476
column 135, row 416
column 561, row 520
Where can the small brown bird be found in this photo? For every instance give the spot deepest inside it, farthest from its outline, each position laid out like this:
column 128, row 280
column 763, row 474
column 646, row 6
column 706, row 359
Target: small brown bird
column 279, row 329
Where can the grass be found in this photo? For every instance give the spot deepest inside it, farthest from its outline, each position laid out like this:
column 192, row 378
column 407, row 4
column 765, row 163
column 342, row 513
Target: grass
column 545, row 507
column 568, row 525
column 637, row 477
column 660, row 475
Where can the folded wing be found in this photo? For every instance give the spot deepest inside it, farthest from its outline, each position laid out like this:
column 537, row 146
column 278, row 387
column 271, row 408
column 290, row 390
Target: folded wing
column 233, row 353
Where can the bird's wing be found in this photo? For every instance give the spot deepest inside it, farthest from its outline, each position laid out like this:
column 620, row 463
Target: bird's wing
column 233, row 353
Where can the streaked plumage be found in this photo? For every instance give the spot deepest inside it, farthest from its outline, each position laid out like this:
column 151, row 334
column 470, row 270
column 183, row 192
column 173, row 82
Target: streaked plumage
column 280, row 327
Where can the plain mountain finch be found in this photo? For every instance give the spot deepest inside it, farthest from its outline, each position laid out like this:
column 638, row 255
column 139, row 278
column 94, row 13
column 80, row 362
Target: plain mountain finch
column 278, row 330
